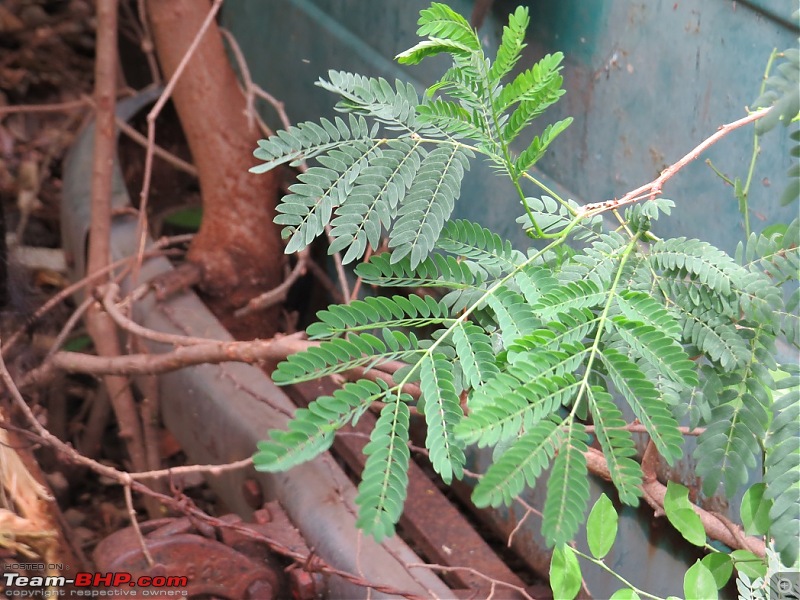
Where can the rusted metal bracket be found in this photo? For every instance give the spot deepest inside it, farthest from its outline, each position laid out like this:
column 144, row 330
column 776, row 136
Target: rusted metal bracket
column 221, row 562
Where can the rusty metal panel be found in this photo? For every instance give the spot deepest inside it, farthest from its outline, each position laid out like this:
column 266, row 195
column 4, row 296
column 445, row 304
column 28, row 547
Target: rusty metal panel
column 430, row 521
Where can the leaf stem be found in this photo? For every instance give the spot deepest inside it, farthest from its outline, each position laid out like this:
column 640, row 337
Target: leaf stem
column 553, row 195
column 602, row 322
column 605, row 567
column 745, row 191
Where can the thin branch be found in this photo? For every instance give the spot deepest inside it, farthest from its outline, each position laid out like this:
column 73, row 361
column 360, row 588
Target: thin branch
column 255, row 351
column 310, row 562
column 108, row 301
column 100, row 327
column 244, row 71
column 38, row 108
column 653, row 189
column 278, row 294
column 654, row 493
column 135, row 524
column 91, row 279
column 158, row 151
column 147, row 45
column 529, row 510
column 76, row 316
column 187, row 469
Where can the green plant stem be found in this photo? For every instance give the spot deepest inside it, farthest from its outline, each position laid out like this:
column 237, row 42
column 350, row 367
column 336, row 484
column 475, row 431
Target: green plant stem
column 605, row 567
column 756, row 151
column 500, row 282
column 602, row 322
column 538, row 233
column 552, row 194
column 743, row 194
column 719, row 173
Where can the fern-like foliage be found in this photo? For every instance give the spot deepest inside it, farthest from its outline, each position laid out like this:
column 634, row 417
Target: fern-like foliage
column 782, row 95
column 617, row 445
column 782, row 467
column 311, row 430
column 384, row 481
column 528, row 353
column 567, row 488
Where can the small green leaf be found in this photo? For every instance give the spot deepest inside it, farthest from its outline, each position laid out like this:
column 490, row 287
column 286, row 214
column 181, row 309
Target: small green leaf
column 688, row 523
column 755, row 510
column 680, row 512
column 748, row 563
column 78, row 343
column 699, row 583
column 601, row 528
column 721, row 567
column 625, row 594
column 186, row 218
column 565, row 573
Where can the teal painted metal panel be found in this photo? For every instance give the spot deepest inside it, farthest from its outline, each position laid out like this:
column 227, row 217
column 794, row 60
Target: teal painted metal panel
column 646, row 81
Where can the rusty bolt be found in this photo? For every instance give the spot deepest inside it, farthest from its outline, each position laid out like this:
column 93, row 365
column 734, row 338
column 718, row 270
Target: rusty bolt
column 262, row 516
column 303, row 584
column 252, row 493
column 260, row 590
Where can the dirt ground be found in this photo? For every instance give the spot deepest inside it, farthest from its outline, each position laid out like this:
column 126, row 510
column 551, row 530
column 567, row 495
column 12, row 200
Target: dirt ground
column 46, row 81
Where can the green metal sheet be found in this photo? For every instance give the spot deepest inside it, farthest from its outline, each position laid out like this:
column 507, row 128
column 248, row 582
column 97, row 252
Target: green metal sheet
column 646, row 82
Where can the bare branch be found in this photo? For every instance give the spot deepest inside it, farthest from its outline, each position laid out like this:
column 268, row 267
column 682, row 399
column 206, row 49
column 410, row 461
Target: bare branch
column 653, row 189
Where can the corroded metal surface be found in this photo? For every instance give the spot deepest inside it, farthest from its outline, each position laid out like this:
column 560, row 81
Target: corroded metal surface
column 213, row 568
column 430, row 521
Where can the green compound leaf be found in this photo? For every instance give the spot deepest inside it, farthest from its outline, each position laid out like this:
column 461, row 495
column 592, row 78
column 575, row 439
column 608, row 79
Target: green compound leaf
column 372, row 205
column 782, row 466
column 338, row 355
column 530, row 389
column 442, row 412
column 646, row 404
column 567, row 489
column 306, row 140
column 474, row 350
column 428, row 205
column 384, row 482
column 377, row 312
column 519, row 466
column 485, row 249
column 511, row 44
column 395, row 107
column 617, row 444
column 311, row 430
